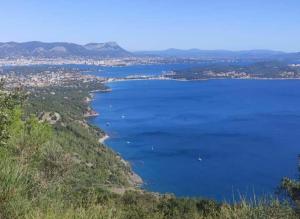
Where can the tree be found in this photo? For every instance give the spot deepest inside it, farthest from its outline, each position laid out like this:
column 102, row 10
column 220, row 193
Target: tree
column 8, row 102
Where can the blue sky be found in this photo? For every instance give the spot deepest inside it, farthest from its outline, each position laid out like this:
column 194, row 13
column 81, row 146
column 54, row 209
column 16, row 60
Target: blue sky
column 156, row 24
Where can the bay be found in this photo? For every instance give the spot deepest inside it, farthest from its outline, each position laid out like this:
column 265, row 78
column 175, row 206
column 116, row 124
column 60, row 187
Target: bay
column 214, row 139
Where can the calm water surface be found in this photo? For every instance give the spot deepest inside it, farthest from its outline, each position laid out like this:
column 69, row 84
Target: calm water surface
column 206, row 138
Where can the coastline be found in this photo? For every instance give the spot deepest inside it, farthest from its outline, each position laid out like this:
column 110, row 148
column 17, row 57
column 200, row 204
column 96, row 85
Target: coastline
column 134, row 180
column 112, row 80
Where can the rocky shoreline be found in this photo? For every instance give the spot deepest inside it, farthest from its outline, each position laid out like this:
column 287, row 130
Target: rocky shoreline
column 103, row 139
column 134, row 179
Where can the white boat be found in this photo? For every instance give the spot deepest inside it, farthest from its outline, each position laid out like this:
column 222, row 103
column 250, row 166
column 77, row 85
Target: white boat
column 199, row 159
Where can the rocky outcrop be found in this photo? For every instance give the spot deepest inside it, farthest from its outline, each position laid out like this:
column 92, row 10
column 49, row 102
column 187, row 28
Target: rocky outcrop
column 50, row 117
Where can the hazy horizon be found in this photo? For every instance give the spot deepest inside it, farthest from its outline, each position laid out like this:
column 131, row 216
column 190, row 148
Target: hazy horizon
column 156, row 25
column 146, row 50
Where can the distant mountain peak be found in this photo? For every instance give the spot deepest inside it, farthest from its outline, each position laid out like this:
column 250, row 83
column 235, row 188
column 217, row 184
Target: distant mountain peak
column 112, row 43
column 107, row 45
column 61, row 49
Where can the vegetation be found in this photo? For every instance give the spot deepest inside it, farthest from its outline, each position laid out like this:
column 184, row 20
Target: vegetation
column 268, row 69
column 61, row 171
column 291, row 188
column 69, row 101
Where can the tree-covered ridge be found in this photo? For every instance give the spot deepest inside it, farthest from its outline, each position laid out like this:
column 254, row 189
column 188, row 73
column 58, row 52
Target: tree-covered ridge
column 263, row 70
column 60, row 170
column 67, row 107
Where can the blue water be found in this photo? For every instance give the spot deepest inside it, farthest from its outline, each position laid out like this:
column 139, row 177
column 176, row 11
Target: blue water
column 246, row 132
column 150, row 70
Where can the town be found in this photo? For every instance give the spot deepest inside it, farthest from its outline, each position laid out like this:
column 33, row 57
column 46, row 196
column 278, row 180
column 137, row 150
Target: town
column 46, row 79
column 126, row 61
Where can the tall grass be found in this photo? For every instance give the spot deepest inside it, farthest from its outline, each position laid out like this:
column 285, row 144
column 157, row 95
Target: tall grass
column 14, row 186
column 262, row 209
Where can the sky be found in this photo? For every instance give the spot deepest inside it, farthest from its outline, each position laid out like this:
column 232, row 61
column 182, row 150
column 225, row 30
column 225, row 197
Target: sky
column 156, row 24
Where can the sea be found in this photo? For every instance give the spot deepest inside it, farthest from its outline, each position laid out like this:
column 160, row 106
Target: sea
column 219, row 139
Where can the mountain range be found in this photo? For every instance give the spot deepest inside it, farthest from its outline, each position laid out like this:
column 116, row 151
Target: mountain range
column 61, row 49
column 36, row 49
column 224, row 54
column 212, row 54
